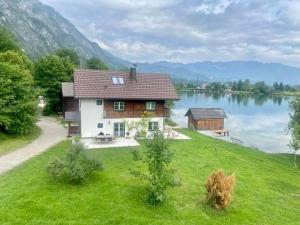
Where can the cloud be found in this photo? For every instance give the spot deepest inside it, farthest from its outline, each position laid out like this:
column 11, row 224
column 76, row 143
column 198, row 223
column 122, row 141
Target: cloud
column 190, row 30
column 214, row 7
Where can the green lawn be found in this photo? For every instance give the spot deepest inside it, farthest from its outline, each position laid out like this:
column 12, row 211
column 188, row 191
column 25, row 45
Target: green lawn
column 10, row 143
column 267, row 189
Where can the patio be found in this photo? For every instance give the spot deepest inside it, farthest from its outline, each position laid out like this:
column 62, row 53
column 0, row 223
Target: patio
column 90, row 143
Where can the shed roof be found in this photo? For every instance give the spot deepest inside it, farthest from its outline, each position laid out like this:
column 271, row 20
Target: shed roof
column 67, row 89
column 100, row 84
column 206, row 113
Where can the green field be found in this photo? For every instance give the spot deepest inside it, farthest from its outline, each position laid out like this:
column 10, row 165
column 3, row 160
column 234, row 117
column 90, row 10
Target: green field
column 10, row 143
column 267, row 189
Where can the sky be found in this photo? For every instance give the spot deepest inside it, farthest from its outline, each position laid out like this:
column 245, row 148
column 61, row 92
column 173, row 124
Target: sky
column 190, row 30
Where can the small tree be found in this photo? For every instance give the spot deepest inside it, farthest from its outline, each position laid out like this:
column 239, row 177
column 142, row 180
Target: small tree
column 295, row 143
column 154, row 164
column 219, row 188
column 140, row 126
column 95, row 64
column 294, row 127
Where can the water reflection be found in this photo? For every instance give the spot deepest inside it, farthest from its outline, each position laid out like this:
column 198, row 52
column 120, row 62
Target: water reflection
column 261, row 120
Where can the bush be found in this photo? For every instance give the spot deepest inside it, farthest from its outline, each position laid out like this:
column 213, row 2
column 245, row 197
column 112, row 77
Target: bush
column 76, row 168
column 219, row 188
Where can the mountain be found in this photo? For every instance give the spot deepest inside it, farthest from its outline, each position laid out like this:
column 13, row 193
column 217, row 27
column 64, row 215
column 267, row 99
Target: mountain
column 226, row 71
column 42, row 30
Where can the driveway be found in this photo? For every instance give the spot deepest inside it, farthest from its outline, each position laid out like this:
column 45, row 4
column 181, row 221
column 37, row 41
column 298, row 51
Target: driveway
column 52, row 133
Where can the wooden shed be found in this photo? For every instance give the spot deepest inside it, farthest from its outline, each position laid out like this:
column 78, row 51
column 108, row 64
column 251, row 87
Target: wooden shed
column 206, row 118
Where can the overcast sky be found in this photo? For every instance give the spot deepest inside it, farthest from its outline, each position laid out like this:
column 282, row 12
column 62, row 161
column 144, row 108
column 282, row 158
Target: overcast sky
column 190, row 30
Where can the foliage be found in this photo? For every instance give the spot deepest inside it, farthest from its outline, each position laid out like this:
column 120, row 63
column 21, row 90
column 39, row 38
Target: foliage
column 239, row 86
column 170, row 122
column 216, row 87
column 76, row 168
column 95, row 64
column 18, row 99
column 219, row 188
column 70, row 54
column 49, row 72
column 294, row 127
column 154, row 164
column 7, row 41
column 140, row 125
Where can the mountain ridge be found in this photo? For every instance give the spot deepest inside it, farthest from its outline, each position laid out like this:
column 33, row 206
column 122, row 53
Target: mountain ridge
column 226, row 71
column 41, row 30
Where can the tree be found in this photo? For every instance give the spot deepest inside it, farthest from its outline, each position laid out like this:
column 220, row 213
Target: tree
column 95, row 64
column 280, row 88
column 18, row 99
column 240, row 85
column 246, row 85
column 154, row 164
column 68, row 53
column 234, row 86
column 275, row 86
column 294, row 126
column 7, row 41
column 49, row 72
column 261, row 88
column 140, row 125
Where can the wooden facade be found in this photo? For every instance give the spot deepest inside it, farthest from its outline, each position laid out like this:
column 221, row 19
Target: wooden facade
column 132, row 109
column 206, row 118
column 69, row 104
column 208, row 124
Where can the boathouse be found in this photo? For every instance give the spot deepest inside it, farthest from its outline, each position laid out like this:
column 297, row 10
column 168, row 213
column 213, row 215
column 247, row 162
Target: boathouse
column 206, row 118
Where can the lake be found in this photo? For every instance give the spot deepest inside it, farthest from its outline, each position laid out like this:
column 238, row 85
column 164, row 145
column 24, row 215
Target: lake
column 260, row 120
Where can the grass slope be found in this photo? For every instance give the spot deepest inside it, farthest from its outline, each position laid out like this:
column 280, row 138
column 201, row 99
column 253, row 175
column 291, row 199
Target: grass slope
column 10, row 143
column 267, row 189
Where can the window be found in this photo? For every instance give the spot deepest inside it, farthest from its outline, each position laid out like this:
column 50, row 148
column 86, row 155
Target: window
column 115, row 80
column 100, row 125
column 118, row 80
column 119, row 106
column 121, row 80
column 152, row 126
column 99, row 102
column 150, row 106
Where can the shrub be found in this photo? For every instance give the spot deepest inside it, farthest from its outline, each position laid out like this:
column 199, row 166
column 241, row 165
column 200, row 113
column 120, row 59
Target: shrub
column 154, row 164
column 76, row 168
column 219, row 188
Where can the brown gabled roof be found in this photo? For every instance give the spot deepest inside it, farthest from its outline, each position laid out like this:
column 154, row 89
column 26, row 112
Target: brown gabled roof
column 99, row 84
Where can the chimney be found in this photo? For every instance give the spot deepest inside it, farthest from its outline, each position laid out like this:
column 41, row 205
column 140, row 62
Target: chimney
column 133, row 72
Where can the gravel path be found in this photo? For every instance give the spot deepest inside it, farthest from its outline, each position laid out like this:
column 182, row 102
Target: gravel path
column 52, row 133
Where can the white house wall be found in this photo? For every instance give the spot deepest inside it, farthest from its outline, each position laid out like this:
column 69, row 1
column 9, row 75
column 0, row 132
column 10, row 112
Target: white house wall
column 92, row 114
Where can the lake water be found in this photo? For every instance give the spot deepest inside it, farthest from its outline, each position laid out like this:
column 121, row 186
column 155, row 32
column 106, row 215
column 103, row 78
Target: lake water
column 260, row 120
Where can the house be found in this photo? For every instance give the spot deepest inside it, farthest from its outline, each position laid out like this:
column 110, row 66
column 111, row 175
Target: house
column 108, row 102
column 206, row 118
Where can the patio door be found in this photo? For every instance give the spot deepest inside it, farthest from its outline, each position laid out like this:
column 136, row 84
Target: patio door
column 119, row 129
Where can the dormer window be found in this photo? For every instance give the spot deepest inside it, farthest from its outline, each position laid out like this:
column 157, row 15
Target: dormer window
column 118, row 80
